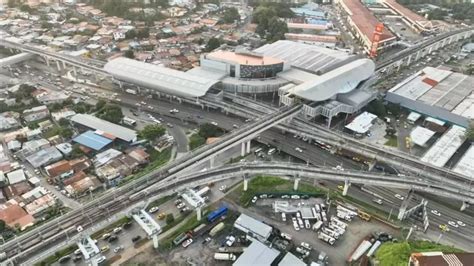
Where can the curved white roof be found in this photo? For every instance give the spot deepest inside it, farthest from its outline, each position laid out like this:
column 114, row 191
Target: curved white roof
column 163, row 79
column 340, row 80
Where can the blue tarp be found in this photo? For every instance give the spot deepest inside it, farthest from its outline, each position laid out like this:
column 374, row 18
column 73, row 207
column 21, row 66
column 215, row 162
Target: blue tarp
column 92, row 140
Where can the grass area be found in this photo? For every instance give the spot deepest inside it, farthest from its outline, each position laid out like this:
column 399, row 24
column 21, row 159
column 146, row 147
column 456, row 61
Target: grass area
column 157, row 159
column 397, row 254
column 191, row 223
column 392, row 141
column 272, row 185
column 195, row 141
column 57, row 255
column 110, row 227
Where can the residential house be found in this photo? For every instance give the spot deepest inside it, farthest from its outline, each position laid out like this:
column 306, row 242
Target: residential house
column 36, row 113
column 16, row 217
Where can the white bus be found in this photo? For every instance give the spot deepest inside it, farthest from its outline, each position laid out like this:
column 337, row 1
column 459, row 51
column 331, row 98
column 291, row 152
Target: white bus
column 129, row 122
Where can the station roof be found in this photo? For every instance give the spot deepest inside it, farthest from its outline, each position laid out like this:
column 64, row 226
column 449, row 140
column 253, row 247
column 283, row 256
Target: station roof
column 440, row 153
column 257, row 254
column 364, row 20
column 362, row 123
column 421, row 135
column 92, row 140
column 304, row 56
column 105, row 127
column 340, row 80
column 159, row 78
column 242, row 58
column 465, row 166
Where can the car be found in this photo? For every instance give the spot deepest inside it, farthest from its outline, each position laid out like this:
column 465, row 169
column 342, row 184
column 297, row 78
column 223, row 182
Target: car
column 77, row 252
column 235, row 126
column 136, row 238
column 285, row 196
column 118, row 249
column 177, row 202
column 185, row 209
column 283, row 217
column 181, row 205
column 104, row 249
column 400, row 197
column 169, row 125
column 161, row 216
column 153, row 209
column 79, row 228
column 436, row 212
column 112, row 239
column 106, row 236
column 295, row 196
column 214, row 123
column 306, row 245
column 254, row 199
column 150, row 107
column 378, row 201
column 461, row 223
column 117, row 230
column 340, row 187
column 77, row 258
column 127, row 225
column 444, row 228
column 453, row 224
column 64, row 259
column 298, row 149
column 307, row 225
column 101, row 259
column 230, row 241
column 222, row 188
column 187, row 243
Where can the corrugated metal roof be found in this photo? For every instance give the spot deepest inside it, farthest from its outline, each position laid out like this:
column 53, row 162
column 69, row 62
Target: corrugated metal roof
column 291, row 260
column 92, row 140
column 440, row 153
column 93, row 122
column 465, row 166
column 257, row 254
column 341, row 80
column 163, row 79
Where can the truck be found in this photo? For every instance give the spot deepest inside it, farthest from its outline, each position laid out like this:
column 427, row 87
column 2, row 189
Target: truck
column 317, row 225
column 216, row 229
column 330, row 232
column 130, row 91
column 224, row 256
column 326, row 238
column 338, row 222
column 211, row 217
column 336, row 228
column 344, row 215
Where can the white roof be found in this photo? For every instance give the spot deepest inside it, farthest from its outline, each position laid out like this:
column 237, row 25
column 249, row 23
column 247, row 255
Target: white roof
column 465, row 166
column 250, row 225
column 413, row 116
column 362, row 123
column 421, row 135
column 16, row 176
column 95, row 123
column 340, row 80
column 162, row 79
column 257, row 254
column 445, row 147
column 291, row 260
column 435, row 121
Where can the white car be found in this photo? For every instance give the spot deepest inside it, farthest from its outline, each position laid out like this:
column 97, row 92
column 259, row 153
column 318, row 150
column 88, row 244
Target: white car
column 214, row 123
column 400, row 197
column 181, row 205
column 435, row 212
column 453, row 224
column 101, row 259
column 222, row 188
column 187, row 243
column 298, row 149
column 306, row 245
column 154, row 209
column 461, row 223
column 254, row 199
column 117, row 230
column 118, row 249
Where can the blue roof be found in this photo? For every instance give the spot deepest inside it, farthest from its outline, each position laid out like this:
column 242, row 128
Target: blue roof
column 92, row 140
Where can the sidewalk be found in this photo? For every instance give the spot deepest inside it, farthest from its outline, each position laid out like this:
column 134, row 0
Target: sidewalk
column 132, row 252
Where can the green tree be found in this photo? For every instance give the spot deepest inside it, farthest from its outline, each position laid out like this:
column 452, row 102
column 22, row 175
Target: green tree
column 394, row 109
column 169, row 218
column 152, row 132
column 63, row 122
column 2, row 226
column 212, row 44
column 208, row 131
column 129, row 54
column 66, row 132
column 470, row 131
column 276, row 30
column 269, row 25
column 111, row 112
column 230, row 15
column 100, row 104
column 377, row 107
column 76, row 151
column 25, row 8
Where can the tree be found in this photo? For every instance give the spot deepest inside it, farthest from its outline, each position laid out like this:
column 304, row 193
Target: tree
column 11, row 3
column 76, row 151
column 2, row 226
column 208, row 131
column 230, row 15
column 129, row 54
column 111, row 112
column 276, row 29
column 390, row 131
column 100, row 104
column 470, row 131
column 66, row 132
column 269, row 25
column 394, row 109
column 169, row 218
column 377, row 107
column 63, row 122
column 212, row 44
column 152, row 132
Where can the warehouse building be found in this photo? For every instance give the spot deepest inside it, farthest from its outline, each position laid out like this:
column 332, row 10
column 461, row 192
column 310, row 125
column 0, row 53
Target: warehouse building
column 104, row 128
column 438, row 93
column 465, row 165
column 412, row 19
column 253, row 227
column 257, row 254
column 440, row 153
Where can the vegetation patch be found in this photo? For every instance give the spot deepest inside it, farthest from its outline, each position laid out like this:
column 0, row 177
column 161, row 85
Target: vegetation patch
column 398, row 254
column 392, row 141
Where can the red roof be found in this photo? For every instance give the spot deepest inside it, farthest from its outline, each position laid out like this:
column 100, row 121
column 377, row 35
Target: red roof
column 59, row 168
column 365, row 20
column 14, row 214
column 430, row 82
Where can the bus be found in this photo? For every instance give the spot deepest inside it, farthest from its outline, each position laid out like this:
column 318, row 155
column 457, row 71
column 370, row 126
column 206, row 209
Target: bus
column 271, row 151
